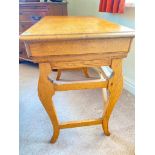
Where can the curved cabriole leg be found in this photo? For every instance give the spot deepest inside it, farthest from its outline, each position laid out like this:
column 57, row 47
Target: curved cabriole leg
column 45, row 93
column 115, row 87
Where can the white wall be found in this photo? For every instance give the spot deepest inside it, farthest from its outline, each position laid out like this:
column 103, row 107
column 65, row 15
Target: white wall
column 90, row 8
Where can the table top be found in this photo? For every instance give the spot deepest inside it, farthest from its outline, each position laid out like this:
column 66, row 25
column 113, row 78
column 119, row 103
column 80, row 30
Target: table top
column 61, row 27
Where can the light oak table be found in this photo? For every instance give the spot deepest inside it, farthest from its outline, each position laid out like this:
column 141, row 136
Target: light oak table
column 59, row 42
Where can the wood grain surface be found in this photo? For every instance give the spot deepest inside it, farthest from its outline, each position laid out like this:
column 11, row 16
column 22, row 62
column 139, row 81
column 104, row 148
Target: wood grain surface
column 70, row 27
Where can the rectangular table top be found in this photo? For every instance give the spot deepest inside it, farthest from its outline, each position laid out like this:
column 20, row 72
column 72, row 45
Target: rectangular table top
column 74, row 27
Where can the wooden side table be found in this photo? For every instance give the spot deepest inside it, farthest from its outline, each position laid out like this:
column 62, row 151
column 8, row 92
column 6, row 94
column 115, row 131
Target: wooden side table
column 85, row 42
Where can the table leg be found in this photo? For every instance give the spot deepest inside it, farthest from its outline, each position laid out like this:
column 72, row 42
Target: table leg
column 104, row 90
column 45, row 93
column 104, row 96
column 59, row 74
column 115, row 87
column 85, row 71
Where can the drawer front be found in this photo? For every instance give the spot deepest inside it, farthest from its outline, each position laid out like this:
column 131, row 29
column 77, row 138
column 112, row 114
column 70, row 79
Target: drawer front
column 58, row 10
column 22, row 51
column 33, row 7
column 34, row 16
column 23, row 26
column 29, row 0
column 21, row 47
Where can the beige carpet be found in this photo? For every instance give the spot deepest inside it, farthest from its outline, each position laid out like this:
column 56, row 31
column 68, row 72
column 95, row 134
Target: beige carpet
column 36, row 129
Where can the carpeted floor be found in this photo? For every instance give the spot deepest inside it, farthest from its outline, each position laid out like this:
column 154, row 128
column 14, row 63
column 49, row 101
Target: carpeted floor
column 36, row 129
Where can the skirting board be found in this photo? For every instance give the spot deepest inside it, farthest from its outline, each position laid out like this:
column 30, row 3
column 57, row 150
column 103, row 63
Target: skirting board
column 128, row 85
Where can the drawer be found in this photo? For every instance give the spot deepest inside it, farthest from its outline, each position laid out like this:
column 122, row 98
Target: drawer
column 21, row 47
column 32, row 16
column 29, row 0
column 33, row 7
column 23, row 26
